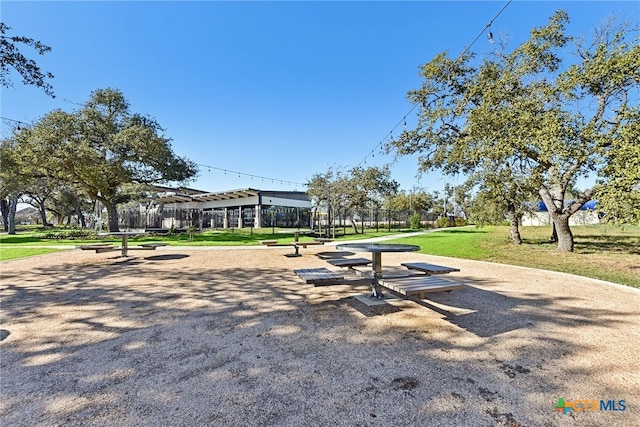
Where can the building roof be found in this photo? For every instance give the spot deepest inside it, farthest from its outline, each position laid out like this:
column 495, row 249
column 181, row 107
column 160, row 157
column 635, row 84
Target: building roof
column 175, row 196
column 590, row 205
column 226, row 195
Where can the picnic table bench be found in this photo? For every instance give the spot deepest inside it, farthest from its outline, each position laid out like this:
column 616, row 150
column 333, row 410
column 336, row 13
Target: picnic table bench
column 90, row 246
column 318, row 276
column 147, row 246
column 153, row 245
column 388, row 272
column 297, row 245
column 109, row 247
column 349, row 262
column 99, row 247
column 429, row 268
column 322, row 239
column 420, row 286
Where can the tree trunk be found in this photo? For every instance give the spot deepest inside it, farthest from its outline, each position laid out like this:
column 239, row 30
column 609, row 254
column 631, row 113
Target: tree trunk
column 553, row 198
column 565, row 236
column 554, row 234
column 43, row 214
column 81, row 219
column 4, row 209
column 354, row 225
column 514, row 224
column 13, row 205
column 112, row 214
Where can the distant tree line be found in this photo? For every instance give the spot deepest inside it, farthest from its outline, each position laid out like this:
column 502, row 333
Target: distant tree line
column 352, row 194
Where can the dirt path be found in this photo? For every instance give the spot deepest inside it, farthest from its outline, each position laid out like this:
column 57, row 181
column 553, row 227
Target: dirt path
column 232, row 337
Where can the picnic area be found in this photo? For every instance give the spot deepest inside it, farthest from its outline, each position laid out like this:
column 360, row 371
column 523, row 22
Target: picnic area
column 231, row 336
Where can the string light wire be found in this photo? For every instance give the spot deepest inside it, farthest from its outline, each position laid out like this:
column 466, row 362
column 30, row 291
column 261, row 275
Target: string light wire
column 251, row 176
column 389, row 135
column 19, row 123
column 403, row 121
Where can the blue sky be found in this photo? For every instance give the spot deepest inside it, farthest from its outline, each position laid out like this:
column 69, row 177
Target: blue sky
column 280, row 90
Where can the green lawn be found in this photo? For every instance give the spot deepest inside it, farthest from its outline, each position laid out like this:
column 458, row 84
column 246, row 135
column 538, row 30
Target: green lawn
column 17, row 252
column 603, row 252
column 25, row 243
column 234, row 237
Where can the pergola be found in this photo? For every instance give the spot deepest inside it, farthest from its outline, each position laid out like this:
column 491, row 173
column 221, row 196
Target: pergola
column 247, row 205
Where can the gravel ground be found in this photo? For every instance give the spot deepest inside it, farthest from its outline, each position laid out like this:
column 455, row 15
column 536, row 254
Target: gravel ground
column 183, row 337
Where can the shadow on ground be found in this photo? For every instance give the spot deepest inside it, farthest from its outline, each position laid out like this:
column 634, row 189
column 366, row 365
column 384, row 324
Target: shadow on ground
column 143, row 341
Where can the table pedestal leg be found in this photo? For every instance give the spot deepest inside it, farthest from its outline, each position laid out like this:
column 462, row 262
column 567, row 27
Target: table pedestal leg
column 376, row 290
column 125, row 245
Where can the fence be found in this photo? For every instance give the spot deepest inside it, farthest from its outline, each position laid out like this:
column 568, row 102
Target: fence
column 166, row 218
column 373, row 218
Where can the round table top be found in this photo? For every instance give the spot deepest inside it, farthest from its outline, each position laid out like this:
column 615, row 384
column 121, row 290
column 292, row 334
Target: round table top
column 378, row 247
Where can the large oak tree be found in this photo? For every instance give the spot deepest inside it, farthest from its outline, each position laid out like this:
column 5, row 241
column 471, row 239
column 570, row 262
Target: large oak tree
column 104, row 149
column 552, row 116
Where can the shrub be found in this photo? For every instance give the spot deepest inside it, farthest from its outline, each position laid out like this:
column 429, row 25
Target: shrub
column 192, row 229
column 461, row 221
column 415, row 221
column 442, row 222
column 68, row 235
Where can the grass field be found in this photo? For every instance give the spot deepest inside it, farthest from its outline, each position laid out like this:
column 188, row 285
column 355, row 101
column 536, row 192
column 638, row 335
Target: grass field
column 234, row 237
column 26, row 243
column 7, row 253
column 603, row 252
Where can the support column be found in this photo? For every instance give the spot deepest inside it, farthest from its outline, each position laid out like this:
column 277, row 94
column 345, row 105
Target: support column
column 225, row 219
column 257, row 217
column 240, row 224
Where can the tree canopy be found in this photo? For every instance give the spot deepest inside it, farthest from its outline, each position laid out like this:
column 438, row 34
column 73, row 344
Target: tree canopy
column 347, row 193
column 104, row 149
column 11, row 57
column 531, row 118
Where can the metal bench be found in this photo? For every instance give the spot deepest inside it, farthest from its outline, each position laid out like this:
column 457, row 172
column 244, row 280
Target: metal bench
column 349, row 262
column 323, row 239
column 318, row 276
column 420, row 285
column 107, row 249
column 153, row 245
column 146, row 246
column 388, row 272
column 298, row 245
column 305, row 244
column 99, row 247
column 92, row 246
column 429, row 268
